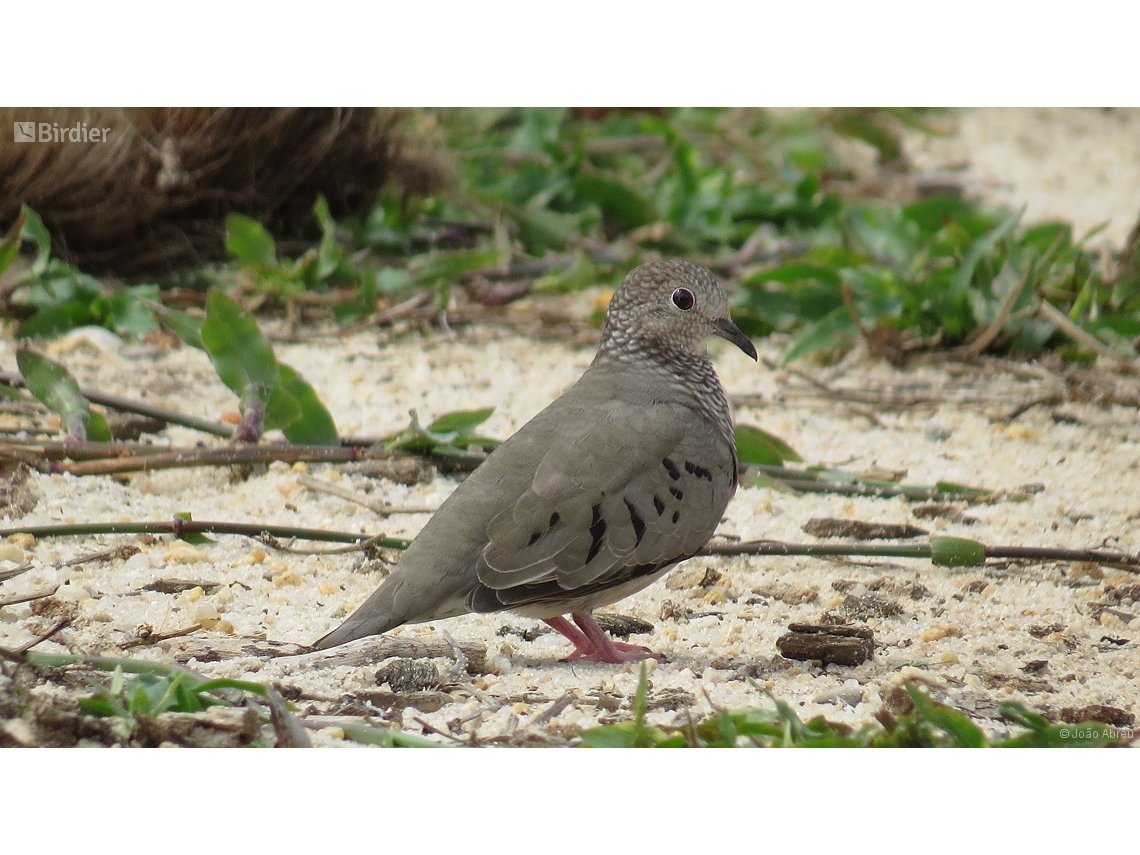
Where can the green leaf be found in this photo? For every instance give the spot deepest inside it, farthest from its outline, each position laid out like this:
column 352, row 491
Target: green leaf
column 35, row 231
column 449, row 266
column 249, row 242
column 632, row 734
column 10, row 244
column 872, row 127
column 793, row 272
column 461, row 421
column 282, row 408
column 833, row 476
column 981, row 247
column 314, row 425
column 956, row 552
column 448, row 436
column 756, row 478
column 828, row 333
column 757, row 446
column 100, row 706
column 542, row 229
column 187, row 327
column 962, row 490
column 581, row 274
column 1044, row 734
column 931, row 214
column 386, row 737
column 619, row 201
column 962, row 732
column 1018, row 713
column 13, row 394
column 416, row 438
column 130, row 312
column 51, row 322
column 55, row 388
column 242, row 356
column 194, row 537
column 328, row 254
column 97, row 428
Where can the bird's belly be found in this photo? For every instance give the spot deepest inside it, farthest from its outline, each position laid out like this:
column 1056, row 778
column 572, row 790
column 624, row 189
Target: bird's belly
column 591, row 601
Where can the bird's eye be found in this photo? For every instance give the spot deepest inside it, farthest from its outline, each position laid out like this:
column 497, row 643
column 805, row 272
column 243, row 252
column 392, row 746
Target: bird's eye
column 683, row 299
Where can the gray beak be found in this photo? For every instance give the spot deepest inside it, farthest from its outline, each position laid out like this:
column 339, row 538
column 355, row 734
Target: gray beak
column 726, row 329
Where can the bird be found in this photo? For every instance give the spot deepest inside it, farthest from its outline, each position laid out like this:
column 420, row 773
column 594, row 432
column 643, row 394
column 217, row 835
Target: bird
column 624, row 475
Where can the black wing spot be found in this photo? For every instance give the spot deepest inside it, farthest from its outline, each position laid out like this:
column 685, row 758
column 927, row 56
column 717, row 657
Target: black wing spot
column 660, row 505
column 699, row 471
column 676, row 515
column 534, row 538
column 554, row 518
column 677, row 494
column 597, row 532
column 636, row 520
column 671, row 468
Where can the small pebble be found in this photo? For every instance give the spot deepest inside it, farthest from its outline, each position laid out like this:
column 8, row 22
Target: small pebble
column 940, row 632
column 181, row 552
column 138, row 561
column 11, row 552
column 205, row 615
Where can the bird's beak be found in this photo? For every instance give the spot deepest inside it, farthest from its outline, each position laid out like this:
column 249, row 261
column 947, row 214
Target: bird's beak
column 726, row 329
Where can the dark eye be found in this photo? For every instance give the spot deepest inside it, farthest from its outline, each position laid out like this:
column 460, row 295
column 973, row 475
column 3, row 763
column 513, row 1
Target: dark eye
column 683, row 299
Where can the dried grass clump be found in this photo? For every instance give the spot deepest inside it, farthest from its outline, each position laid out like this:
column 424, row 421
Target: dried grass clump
column 154, row 196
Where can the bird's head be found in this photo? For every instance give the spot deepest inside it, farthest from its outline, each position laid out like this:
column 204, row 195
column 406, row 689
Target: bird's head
column 670, row 305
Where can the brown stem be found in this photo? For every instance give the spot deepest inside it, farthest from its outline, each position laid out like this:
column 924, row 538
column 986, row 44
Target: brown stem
column 1121, row 560
column 228, row 456
column 180, row 527
column 128, row 405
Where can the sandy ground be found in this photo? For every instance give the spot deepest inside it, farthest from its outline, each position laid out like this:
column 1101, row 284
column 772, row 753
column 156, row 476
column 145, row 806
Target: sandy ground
column 1079, row 165
column 1053, row 635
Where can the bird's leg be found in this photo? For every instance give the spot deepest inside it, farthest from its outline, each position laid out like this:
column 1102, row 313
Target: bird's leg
column 604, row 648
column 582, row 645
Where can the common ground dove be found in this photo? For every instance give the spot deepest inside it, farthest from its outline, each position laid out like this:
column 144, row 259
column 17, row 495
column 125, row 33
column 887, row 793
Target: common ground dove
column 624, row 475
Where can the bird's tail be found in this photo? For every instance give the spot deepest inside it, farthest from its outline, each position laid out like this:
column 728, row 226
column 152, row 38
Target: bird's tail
column 375, row 616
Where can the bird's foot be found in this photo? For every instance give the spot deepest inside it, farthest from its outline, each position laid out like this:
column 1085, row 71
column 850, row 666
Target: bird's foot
column 616, row 653
column 593, row 645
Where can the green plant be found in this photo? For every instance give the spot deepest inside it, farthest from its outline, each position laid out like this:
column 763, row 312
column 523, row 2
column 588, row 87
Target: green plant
column 61, row 297
column 450, row 435
column 931, row 725
column 941, row 271
column 272, row 394
column 55, row 388
column 156, row 688
column 150, row 695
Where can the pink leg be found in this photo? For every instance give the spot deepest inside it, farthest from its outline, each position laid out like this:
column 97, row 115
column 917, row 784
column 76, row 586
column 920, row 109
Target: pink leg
column 608, row 650
column 582, row 645
column 593, row 645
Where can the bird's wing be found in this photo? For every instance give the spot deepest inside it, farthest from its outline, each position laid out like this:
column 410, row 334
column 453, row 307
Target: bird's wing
column 633, row 488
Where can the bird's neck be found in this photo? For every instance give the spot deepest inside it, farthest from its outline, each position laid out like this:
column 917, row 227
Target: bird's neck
column 688, row 376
